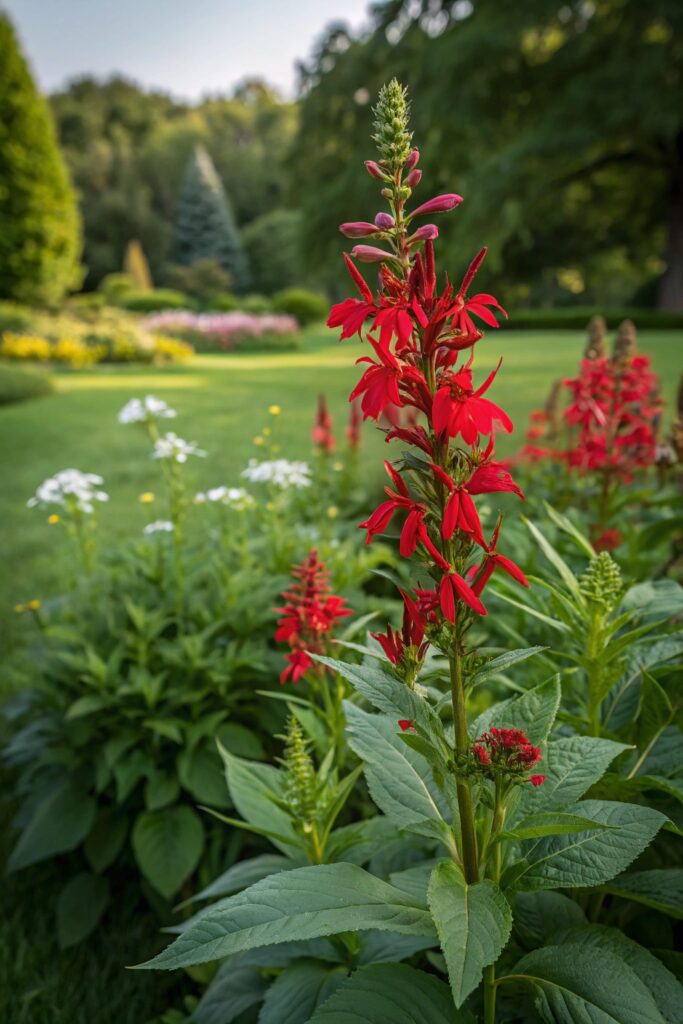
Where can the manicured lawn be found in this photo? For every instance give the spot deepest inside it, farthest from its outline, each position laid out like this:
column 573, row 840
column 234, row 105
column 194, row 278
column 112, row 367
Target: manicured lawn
column 222, row 403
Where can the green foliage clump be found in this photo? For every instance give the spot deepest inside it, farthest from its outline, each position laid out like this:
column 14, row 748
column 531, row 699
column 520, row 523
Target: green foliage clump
column 204, row 278
column 39, row 223
column 306, row 306
column 19, row 385
column 154, row 301
column 272, row 243
column 204, row 225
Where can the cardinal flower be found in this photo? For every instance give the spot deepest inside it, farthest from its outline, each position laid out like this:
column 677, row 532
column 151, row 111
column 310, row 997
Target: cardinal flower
column 459, row 409
column 492, row 561
column 379, row 383
column 352, row 313
column 409, row 641
column 454, row 588
column 460, row 512
column 463, row 308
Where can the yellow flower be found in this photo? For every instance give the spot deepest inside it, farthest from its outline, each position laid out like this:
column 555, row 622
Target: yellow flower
column 338, row 466
column 274, row 410
column 147, row 498
column 266, row 431
column 259, row 440
column 33, row 604
column 332, row 512
column 53, row 519
column 19, row 608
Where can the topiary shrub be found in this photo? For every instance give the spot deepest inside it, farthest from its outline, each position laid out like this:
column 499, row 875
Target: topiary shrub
column 256, row 304
column 154, row 301
column 20, row 384
column 308, row 307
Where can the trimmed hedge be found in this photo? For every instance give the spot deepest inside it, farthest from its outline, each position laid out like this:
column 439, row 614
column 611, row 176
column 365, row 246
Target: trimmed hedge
column 308, row 307
column 577, row 317
column 20, row 384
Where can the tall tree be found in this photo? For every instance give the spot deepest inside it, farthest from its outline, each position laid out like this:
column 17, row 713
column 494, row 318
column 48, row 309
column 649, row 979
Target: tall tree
column 204, row 227
column 39, row 222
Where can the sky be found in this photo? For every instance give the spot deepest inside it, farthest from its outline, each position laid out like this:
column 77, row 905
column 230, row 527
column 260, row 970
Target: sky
column 185, row 47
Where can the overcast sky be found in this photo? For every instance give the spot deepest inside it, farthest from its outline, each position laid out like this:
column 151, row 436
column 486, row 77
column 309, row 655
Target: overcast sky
column 186, row 47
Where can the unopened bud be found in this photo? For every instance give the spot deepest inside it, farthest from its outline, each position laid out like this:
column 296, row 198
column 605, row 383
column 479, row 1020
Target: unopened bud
column 439, row 204
column 358, row 229
column 374, row 170
column 387, row 193
column 370, row 254
column 384, row 221
column 426, row 233
column 414, row 178
column 412, row 159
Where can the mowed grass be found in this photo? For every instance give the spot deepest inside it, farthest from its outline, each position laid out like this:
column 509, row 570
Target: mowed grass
column 222, row 402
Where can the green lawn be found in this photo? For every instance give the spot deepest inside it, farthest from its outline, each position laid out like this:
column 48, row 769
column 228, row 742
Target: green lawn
column 222, row 403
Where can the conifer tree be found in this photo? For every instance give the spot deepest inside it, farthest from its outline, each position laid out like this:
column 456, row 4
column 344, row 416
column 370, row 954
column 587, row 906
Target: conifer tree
column 205, row 228
column 136, row 266
column 39, row 222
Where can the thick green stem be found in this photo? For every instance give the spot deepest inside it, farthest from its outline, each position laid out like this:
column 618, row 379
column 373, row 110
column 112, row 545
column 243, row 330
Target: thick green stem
column 467, row 832
column 490, row 994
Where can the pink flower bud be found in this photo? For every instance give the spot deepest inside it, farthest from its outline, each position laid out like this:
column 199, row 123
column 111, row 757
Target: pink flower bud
column 412, row 159
column 358, row 229
column 370, row 254
column 375, row 171
column 426, row 233
column 414, row 178
column 439, row 204
column 384, row 221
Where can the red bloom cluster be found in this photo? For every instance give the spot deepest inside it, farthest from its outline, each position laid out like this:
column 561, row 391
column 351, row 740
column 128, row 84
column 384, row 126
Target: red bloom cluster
column 309, row 616
column 508, row 753
column 406, row 648
column 322, row 433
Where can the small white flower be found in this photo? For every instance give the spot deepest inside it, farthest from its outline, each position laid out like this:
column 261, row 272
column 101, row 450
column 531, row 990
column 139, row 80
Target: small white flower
column 233, row 497
column 170, row 446
column 139, row 410
column 70, row 485
column 159, row 526
column 280, row 472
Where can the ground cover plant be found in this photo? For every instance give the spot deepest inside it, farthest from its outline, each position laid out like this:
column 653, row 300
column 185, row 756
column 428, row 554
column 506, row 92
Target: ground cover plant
column 522, row 841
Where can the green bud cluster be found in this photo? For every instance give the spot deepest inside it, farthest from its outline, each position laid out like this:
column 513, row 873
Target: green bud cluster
column 391, row 126
column 602, row 582
column 301, row 782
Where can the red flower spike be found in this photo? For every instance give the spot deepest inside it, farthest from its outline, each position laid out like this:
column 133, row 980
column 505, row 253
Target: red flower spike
column 459, row 409
column 322, row 434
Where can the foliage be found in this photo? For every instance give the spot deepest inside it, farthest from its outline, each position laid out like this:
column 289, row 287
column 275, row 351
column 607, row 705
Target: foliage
column 39, row 224
column 273, row 246
column 204, row 227
column 20, row 385
column 576, row 318
column 202, row 279
column 153, row 301
column 136, row 268
column 307, row 307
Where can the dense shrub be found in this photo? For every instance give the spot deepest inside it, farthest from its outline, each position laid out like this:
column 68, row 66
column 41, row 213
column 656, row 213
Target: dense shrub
column 308, row 307
column 14, row 317
column 256, row 304
column 576, row 318
column 154, row 301
column 273, row 246
column 201, row 279
column 20, row 384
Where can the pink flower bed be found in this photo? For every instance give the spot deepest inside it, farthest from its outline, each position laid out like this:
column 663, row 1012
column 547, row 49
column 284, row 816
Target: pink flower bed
column 223, row 329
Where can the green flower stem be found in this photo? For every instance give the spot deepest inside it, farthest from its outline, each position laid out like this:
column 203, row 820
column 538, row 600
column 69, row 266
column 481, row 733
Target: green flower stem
column 495, row 867
column 467, row 831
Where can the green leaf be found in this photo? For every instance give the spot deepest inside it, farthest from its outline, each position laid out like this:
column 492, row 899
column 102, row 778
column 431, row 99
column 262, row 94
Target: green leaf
column 587, row 858
column 654, row 711
column 299, row 990
column 572, row 985
column 87, row 705
column 390, row 994
column 503, row 662
column 240, row 740
column 660, row 888
column 301, row 904
column 534, row 712
column 167, row 846
column 555, row 559
column 201, row 773
column 255, row 790
column 244, row 874
column 549, row 823
column 59, row 823
column 161, row 789
column 80, row 906
column 234, row 988
column 128, row 771
column 105, row 841
column 539, row 916
column 665, row 989
column 473, row 923
column 571, row 765
column 401, row 781
column 566, row 524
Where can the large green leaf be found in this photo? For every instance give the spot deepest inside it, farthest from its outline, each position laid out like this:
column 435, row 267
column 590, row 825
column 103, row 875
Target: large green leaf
column 167, row 846
column 502, row 662
column 663, row 986
column 255, row 790
column 244, row 874
column 105, row 840
column 235, row 987
column 81, row 904
column 390, row 994
column 587, row 858
column 571, row 985
column 548, row 823
column 661, row 888
column 400, row 780
column 201, row 773
column 570, row 765
column 59, row 823
column 299, row 990
column 539, row 916
column 473, row 923
column 534, row 712
column 301, row 904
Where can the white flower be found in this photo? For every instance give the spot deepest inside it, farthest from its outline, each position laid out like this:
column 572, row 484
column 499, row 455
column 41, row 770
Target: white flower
column 280, row 472
column 170, row 446
column 139, row 410
column 234, row 497
column 70, row 485
column 159, row 526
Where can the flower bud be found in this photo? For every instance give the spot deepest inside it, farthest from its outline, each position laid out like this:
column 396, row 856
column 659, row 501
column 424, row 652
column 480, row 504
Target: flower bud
column 384, row 221
column 387, row 193
column 414, row 178
column 358, row 229
column 426, row 233
column 374, row 170
column 439, row 204
column 370, row 254
column 412, row 160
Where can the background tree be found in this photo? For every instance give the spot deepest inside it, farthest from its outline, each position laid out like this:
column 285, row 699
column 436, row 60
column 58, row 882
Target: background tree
column 39, row 224
column 204, row 226
column 136, row 266
column 273, row 245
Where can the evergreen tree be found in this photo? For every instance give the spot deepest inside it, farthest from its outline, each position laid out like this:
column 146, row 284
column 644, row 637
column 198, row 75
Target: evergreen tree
column 39, row 221
column 136, row 266
column 204, row 226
